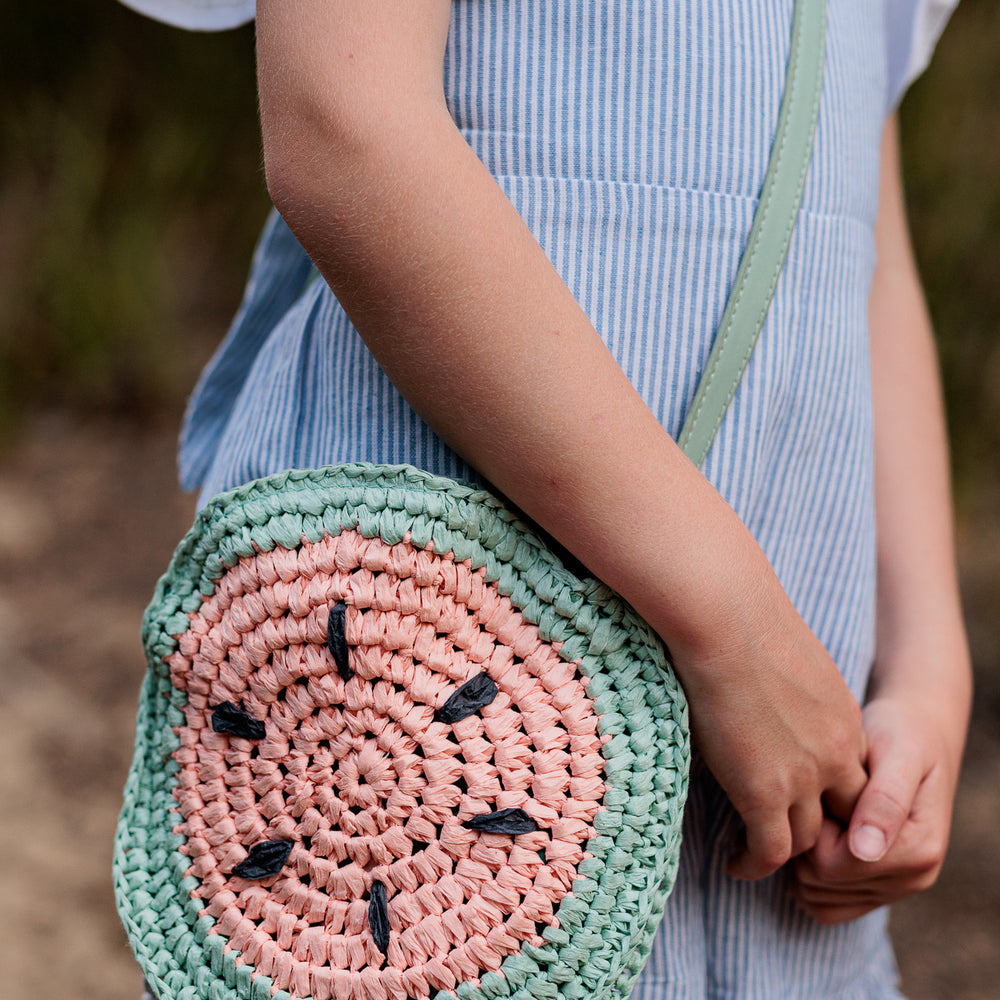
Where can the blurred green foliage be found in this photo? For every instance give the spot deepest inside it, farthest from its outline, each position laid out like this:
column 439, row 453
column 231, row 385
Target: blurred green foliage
column 950, row 126
column 130, row 195
column 131, row 192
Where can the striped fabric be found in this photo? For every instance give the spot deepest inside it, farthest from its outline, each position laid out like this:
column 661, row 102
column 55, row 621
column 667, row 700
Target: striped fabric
column 633, row 139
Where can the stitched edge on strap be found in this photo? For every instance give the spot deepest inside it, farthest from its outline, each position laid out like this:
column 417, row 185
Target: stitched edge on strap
column 770, row 234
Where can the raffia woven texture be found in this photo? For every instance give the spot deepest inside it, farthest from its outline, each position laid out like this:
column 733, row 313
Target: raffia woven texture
column 381, row 808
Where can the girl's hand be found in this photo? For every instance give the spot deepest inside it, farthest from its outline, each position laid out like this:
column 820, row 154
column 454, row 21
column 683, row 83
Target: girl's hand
column 779, row 729
column 897, row 838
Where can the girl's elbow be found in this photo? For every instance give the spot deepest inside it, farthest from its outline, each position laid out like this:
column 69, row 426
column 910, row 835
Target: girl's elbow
column 293, row 146
column 285, row 182
column 312, row 157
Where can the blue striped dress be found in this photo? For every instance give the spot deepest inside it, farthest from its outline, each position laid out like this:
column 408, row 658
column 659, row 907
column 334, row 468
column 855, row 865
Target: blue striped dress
column 633, row 138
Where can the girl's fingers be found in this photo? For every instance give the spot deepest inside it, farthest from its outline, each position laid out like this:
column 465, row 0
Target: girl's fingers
column 831, row 915
column 883, row 888
column 768, row 847
column 821, row 895
column 840, row 799
column 773, row 838
column 826, row 858
column 806, row 822
column 896, row 774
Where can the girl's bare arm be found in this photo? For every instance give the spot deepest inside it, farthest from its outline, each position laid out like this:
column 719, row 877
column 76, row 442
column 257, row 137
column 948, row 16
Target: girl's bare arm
column 472, row 323
column 918, row 707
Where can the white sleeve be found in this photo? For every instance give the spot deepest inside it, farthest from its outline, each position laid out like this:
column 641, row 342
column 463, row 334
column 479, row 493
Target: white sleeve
column 197, row 15
column 912, row 28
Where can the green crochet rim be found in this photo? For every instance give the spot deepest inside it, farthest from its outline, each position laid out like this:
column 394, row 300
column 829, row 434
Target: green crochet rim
column 607, row 922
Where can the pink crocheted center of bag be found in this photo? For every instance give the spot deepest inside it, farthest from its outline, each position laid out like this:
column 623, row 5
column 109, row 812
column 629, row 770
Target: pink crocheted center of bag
column 363, row 780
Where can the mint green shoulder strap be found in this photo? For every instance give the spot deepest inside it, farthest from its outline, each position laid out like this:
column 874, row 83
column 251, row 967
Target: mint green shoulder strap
column 770, row 234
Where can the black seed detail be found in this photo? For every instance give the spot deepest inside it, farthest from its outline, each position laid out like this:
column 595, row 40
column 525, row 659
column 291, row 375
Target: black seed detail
column 512, row 821
column 468, row 699
column 265, row 859
column 230, row 718
column 378, row 916
column 336, row 639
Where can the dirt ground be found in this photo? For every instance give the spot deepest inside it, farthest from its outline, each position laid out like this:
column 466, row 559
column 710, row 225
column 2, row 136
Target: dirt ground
column 89, row 515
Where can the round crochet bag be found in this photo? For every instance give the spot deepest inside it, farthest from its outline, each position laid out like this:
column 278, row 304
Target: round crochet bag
column 389, row 746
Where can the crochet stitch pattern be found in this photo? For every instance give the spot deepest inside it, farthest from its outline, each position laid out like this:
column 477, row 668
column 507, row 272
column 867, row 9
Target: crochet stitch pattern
column 390, row 747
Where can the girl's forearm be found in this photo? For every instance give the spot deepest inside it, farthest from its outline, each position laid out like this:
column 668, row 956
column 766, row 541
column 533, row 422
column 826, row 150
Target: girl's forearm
column 921, row 646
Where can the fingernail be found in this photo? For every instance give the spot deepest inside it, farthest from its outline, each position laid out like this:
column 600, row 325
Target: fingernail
column 867, row 843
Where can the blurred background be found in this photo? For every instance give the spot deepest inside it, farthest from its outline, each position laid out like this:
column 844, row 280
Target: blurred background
column 131, row 191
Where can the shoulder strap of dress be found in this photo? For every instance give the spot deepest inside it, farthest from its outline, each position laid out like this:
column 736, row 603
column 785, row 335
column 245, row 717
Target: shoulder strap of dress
column 770, row 234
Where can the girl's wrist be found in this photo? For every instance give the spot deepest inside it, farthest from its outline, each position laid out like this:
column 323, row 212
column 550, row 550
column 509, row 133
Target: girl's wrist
column 930, row 661
column 718, row 600
column 931, row 682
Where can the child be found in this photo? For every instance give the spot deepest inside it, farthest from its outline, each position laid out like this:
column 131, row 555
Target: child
column 534, row 257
